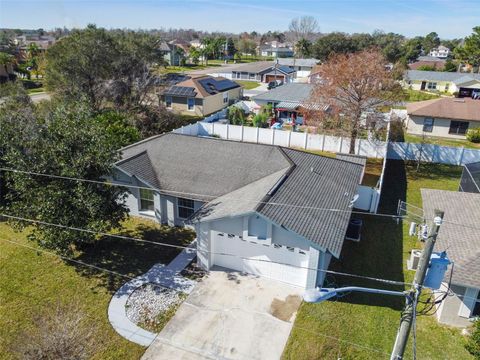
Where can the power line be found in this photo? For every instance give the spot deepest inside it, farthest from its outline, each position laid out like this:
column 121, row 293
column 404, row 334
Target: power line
column 18, row 218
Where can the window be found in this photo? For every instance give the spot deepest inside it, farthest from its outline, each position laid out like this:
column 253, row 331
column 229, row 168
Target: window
column 237, row 75
column 225, row 97
column 458, row 127
column 432, row 85
column 168, row 101
column 185, row 208
column 447, row 85
column 146, row 200
column 427, row 125
column 251, row 76
column 191, row 104
column 277, row 246
column 476, row 307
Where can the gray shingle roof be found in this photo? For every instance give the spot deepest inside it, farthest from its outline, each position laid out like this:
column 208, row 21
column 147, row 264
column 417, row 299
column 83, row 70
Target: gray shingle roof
column 420, row 75
column 462, row 242
column 298, row 62
column 289, row 92
column 316, row 182
column 238, row 178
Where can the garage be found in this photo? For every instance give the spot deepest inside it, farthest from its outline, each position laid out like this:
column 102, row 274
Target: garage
column 269, row 78
column 273, row 258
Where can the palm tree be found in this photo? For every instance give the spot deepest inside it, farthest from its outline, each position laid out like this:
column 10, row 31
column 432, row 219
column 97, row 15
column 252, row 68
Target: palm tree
column 6, row 60
column 304, row 48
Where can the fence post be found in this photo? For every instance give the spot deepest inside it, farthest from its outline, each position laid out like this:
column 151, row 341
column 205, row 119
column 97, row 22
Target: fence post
column 461, row 156
column 341, row 143
column 306, row 140
column 181, row 130
column 257, row 133
column 323, row 142
column 289, row 137
column 359, row 146
column 242, row 133
column 228, row 127
column 213, row 128
column 273, row 136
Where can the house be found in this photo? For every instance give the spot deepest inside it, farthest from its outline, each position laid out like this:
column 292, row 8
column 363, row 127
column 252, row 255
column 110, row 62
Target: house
column 303, row 67
column 441, row 52
column 470, row 180
column 277, row 52
column 444, row 117
column 172, row 54
column 432, row 61
column 230, row 193
column 202, row 95
column 261, row 71
column 464, row 84
column 460, row 238
column 289, row 101
column 314, row 75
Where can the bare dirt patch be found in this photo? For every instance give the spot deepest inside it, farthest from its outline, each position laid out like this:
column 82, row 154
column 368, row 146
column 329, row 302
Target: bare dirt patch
column 284, row 309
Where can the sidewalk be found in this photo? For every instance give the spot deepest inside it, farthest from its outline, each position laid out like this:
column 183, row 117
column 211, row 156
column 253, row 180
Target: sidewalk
column 167, row 276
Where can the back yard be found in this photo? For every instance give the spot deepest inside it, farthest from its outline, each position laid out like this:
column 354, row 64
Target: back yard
column 363, row 326
column 34, row 283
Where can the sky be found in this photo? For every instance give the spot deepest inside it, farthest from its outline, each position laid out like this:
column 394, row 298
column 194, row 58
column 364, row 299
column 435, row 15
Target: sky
column 449, row 18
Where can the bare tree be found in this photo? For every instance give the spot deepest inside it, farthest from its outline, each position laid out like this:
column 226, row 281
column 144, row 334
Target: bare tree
column 303, row 27
column 63, row 333
column 355, row 87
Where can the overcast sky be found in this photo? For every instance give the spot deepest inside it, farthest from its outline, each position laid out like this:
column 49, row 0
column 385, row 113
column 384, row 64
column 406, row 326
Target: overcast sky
column 449, row 18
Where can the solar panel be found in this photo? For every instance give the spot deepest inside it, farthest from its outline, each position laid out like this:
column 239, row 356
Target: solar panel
column 213, row 86
column 181, row 91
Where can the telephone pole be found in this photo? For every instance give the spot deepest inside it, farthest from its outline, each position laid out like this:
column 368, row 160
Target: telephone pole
column 414, row 292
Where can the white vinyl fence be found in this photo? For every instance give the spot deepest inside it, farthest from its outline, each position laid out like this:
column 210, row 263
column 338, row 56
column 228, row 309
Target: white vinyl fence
column 369, row 148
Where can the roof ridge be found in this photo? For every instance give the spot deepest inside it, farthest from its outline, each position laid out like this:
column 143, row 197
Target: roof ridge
column 143, row 141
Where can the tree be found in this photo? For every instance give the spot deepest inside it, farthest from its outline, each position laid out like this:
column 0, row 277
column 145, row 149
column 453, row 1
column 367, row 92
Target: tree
column 246, row 46
column 413, row 48
column 6, row 60
column 430, row 41
column 449, row 66
column 236, row 115
column 60, row 138
column 427, row 68
column 473, row 344
column 303, row 48
column 470, row 51
column 353, row 85
column 231, row 50
column 303, row 27
column 195, row 55
column 333, row 43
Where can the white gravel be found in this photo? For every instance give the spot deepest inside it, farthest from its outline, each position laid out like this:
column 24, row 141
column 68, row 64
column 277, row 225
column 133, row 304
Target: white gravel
column 149, row 301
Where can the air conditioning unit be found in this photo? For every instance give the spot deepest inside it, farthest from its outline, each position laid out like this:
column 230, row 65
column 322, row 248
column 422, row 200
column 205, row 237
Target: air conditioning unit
column 412, row 263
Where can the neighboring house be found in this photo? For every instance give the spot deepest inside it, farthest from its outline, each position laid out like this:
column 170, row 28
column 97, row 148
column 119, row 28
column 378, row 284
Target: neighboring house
column 442, row 52
column 277, row 52
column 202, row 95
column 43, row 42
column 230, row 191
column 174, row 55
column 451, row 82
column 289, row 101
column 460, row 238
column 303, row 67
column 444, row 117
column 314, row 75
column 470, row 180
column 261, row 71
column 435, row 62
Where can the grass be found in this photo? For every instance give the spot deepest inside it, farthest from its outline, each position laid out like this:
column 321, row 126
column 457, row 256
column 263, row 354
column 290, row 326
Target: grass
column 33, row 282
column 186, row 68
column 417, row 95
column 247, row 85
column 440, row 141
column 363, row 326
column 35, row 91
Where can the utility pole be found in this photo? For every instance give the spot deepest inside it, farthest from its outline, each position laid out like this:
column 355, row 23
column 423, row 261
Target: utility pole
column 414, row 292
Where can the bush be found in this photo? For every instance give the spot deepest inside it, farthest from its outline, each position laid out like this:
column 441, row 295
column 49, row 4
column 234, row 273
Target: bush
column 260, row 120
column 236, row 116
column 473, row 344
column 473, row 135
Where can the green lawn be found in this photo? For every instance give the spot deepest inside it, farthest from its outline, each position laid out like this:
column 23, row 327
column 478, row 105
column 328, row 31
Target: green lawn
column 416, row 95
column 33, row 282
column 247, row 85
column 363, row 326
column 440, row 141
column 186, row 68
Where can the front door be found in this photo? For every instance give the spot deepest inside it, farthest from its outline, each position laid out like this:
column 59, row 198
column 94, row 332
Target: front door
column 424, row 85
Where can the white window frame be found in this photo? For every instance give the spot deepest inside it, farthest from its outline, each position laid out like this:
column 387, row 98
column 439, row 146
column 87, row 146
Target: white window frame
column 432, row 85
column 183, row 206
column 168, row 101
column 468, row 302
column 141, row 198
column 188, row 105
column 431, row 126
column 225, row 97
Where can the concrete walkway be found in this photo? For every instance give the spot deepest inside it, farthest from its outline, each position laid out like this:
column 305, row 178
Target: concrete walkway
column 167, row 276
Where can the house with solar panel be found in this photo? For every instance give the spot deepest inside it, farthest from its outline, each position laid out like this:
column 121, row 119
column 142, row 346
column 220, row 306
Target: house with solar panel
column 230, row 192
column 202, row 95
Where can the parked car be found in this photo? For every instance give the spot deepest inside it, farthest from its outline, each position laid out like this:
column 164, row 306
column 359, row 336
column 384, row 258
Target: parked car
column 274, row 84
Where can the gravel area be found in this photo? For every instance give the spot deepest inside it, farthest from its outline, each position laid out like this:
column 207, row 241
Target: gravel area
column 149, row 301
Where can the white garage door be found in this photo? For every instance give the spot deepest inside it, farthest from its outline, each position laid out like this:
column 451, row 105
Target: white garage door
column 248, row 253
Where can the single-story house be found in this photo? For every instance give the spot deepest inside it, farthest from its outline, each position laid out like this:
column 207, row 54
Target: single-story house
column 255, row 208
column 277, row 52
column 451, row 82
column 303, row 67
column 289, row 101
column 460, row 238
column 435, row 62
column 470, row 180
column 443, row 117
column 202, row 95
column 261, row 71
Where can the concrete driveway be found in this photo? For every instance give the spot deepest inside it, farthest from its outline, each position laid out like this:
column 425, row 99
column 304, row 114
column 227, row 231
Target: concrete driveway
column 230, row 316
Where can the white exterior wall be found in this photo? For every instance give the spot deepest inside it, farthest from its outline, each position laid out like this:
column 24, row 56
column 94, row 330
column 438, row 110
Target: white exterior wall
column 272, row 251
column 441, row 127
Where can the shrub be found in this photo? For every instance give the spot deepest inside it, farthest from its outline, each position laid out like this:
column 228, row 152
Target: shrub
column 260, row 120
column 236, row 116
column 473, row 344
column 473, row 135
